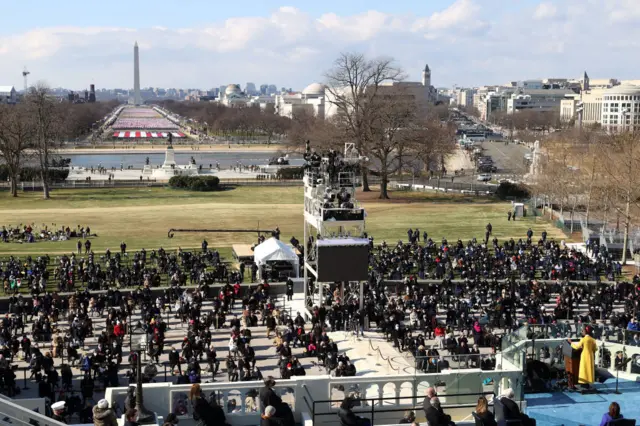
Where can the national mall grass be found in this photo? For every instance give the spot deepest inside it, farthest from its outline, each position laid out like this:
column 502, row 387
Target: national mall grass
column 142, row 216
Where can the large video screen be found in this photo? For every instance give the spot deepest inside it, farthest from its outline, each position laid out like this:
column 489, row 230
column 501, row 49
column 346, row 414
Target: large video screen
column 343, row 263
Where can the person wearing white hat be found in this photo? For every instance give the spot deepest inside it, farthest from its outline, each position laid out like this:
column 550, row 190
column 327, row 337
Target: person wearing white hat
column 103, row 415
column 58, row 411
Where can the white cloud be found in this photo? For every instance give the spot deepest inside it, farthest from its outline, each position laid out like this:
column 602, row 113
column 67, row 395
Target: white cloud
column 545, row 11
column 461, row 12
column 290, row 47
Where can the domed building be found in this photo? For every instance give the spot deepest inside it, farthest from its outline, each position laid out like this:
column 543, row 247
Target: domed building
column 311, row 100
column 233, row 96
column 314, row 90
column 233, row 89
column 621, row 107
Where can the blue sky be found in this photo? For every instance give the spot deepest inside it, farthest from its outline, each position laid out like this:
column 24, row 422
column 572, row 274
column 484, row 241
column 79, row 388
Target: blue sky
column 178, row 14
column 198, row 43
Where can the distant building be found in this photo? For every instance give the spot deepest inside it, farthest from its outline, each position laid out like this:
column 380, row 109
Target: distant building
column 464, row 98
column 621, row 108
column 232, row 96
column 422, row 92
column 311, row 100
column 264, row 89
column 539, row 100
column 491, row 99
column 530, row 84
column 250, row 89
column 8, row 95
column 597, row 98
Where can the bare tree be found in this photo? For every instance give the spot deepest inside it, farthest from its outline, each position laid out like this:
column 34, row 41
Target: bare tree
column 47, row 122
column 16, row 135
column 434, row 141
column 271, row 124
column 619, row 155
column 392, row 130
column 352, row 88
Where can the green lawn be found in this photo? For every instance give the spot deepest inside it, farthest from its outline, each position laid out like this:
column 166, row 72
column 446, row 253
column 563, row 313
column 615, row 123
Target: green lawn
column 142, row 216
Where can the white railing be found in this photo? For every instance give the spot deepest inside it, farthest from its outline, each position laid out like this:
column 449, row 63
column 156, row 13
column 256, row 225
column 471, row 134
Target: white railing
column 13, row 414
column 242, row 406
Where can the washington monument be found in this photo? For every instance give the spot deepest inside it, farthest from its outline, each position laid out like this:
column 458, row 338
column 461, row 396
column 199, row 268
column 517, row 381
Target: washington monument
column 137, row 100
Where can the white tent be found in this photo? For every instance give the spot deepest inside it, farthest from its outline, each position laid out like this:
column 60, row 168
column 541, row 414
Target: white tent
column 273, row 250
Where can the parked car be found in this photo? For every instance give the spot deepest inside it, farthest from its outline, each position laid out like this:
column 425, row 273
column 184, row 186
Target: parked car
column 487, row 168
column 484, row 177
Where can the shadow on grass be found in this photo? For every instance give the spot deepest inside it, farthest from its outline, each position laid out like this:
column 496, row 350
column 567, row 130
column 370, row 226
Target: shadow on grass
column 436, row 198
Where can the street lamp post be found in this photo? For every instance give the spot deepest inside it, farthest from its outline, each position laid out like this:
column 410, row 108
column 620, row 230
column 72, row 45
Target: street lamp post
column 143, row 415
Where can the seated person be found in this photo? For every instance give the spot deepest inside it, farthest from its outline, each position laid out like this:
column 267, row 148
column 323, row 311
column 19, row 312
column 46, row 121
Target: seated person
column 347, row 416
column 613, row 414
column 436, row 416
column 483, row 413
column 409, row 417
column 512, row 411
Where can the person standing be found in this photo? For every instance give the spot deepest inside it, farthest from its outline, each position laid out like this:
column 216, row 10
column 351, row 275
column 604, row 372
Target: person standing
column 487, row 234
column 267, row 395
column 203, row 412
column 103, row 415
column 587, row 374
column 289, row 289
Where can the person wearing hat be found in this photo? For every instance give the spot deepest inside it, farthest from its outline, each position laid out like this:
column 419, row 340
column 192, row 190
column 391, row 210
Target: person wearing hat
column 587, row 373
column 103, row 415
column 58, row 411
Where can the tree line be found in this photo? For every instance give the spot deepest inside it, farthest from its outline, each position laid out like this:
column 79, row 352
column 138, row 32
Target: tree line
column 210, row 117
column 593, row 173
column 33, row 129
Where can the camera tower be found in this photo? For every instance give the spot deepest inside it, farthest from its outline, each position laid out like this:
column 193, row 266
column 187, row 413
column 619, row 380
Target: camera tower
column 335, row 245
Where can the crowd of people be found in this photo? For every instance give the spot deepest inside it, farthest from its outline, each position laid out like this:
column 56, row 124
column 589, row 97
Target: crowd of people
column 119, row 269
column 477, row 291
column 30, row 233
column 49, row 333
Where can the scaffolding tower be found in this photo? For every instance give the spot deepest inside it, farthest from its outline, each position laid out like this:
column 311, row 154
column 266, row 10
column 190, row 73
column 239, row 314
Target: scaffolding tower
column 332, row 215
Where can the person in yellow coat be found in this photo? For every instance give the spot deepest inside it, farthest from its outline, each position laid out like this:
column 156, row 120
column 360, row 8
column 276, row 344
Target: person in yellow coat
column 587, row 374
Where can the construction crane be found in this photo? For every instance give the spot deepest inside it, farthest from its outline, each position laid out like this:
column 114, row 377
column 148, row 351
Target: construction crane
column 25, row 73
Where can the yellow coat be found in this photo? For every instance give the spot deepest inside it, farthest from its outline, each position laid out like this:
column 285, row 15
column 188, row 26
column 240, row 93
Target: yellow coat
column 587, row 359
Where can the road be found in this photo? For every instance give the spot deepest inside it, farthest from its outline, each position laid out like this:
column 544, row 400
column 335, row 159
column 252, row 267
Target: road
column 509, row 159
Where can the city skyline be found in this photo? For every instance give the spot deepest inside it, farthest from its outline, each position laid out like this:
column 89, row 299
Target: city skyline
column 466, row 42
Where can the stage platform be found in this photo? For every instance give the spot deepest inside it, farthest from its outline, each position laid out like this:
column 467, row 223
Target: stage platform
column 242, row 253
column 575, row 409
